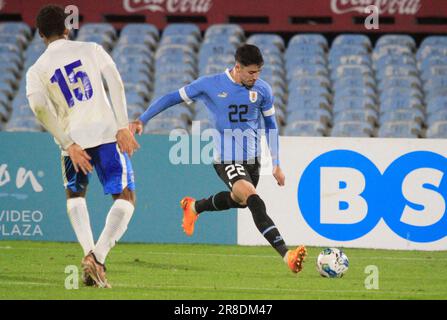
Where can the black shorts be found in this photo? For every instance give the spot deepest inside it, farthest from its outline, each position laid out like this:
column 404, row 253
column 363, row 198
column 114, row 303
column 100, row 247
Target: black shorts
column 232, row 172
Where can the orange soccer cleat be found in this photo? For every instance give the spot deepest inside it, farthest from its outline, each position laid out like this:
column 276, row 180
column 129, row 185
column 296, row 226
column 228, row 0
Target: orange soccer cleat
column 296, row 258
column 189, row 216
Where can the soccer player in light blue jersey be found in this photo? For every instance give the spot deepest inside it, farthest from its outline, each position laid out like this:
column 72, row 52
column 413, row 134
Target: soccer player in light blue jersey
column 236, row 100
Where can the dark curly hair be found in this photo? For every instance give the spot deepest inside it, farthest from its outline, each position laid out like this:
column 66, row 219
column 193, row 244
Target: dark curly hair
column 51, row 20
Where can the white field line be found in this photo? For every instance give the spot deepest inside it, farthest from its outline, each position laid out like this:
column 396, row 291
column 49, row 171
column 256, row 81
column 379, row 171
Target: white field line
column 179, row 253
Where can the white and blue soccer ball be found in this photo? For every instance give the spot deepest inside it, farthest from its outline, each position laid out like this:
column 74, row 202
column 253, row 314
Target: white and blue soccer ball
column 332, row 263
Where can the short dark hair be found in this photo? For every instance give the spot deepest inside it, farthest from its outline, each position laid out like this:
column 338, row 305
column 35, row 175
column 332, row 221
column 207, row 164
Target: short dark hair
column 51, row 20
column 248, row 54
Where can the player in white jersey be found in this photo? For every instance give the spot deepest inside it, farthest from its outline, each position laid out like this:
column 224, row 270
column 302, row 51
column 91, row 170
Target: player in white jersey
column 66, row 92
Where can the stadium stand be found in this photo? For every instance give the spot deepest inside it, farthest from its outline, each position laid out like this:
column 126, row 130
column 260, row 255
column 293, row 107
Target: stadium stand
column 349, row 88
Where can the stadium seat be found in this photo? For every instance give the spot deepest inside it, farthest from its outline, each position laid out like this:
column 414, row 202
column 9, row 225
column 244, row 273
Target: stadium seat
column 266, row 39
column 440, row 115
column 400, row 129
column 400, row 39
column 15, row 28
column 309, row 39
column 402, row 115
column 139, row 29
column 353, row 115
column 305, row 129
column 437, row 130
column 352, row 129
column 353, row 40
column 321, row 115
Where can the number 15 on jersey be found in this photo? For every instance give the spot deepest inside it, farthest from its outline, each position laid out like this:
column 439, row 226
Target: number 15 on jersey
column 73, row 78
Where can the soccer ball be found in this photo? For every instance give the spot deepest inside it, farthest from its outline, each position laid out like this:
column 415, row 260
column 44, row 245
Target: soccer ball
column 332, row 263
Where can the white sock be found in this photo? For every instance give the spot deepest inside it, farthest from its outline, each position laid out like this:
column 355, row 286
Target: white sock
column 116, row 224
column 80, row 220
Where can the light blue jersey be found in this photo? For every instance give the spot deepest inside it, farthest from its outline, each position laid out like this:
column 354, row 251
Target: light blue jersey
column 235, row 112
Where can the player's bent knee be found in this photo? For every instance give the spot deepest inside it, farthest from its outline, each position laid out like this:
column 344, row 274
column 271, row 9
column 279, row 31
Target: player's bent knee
column 71, row 195
column 127, row 195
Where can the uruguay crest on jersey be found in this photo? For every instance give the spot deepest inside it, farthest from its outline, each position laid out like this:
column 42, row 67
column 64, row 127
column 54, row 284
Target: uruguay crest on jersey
column 253, row 96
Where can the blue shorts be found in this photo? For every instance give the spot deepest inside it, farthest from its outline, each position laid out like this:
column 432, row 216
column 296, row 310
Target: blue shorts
column 113, row 168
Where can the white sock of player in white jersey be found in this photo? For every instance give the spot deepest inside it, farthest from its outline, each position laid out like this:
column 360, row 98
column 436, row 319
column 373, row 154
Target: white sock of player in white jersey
column 116, row 224
column 80, row 220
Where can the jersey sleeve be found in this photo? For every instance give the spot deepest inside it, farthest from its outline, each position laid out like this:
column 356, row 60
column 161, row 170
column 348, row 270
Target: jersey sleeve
column 103, row 58
column 267, row 106
column 33, row 82
column 194, row 90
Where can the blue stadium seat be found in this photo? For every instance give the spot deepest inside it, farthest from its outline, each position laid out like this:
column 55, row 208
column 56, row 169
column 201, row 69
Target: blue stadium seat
column 347, row 50
column 396, row 39
column 140, row 29
column 408, row 82
column 402, row 115
column 305, row 60
column 320, row 115
column 266, row 39
column 353, row 115
column 390, row 50
column 437, row 130
column 309, row 70
column 397, row 92
column 352, row 40
column 352, row 129
column 144, row 39
column 440, row 115
column 356, row 103
column 305, row 129
column 356, row 92
column 310, row 92
column 437, row 104
column 350, row 60
column 310, row 81
column 306, row 103
column 309, row 39
column 179, row 39
column 400, row 129
column 434, row 41
column 397, row 71
column 304, row 50
column 344, row 71
column 400, row 103
column 15, row 28
column 23, row 124
column 430, row 51
column 226, row 29
column 394, row 60
column 97, row 28
column 164, row 126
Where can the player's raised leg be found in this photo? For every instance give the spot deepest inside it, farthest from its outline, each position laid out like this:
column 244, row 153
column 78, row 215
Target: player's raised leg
column 192, row 208
column 245, row 194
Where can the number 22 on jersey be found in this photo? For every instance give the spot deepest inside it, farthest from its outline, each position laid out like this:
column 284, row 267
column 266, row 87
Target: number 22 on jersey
column 73, row 78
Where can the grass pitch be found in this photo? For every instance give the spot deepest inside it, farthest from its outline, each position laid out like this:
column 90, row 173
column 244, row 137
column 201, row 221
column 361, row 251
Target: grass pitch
column 36, row 270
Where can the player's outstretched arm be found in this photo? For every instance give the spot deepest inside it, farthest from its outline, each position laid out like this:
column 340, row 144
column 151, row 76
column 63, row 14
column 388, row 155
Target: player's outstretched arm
column 159, row 105
column 272, row 133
